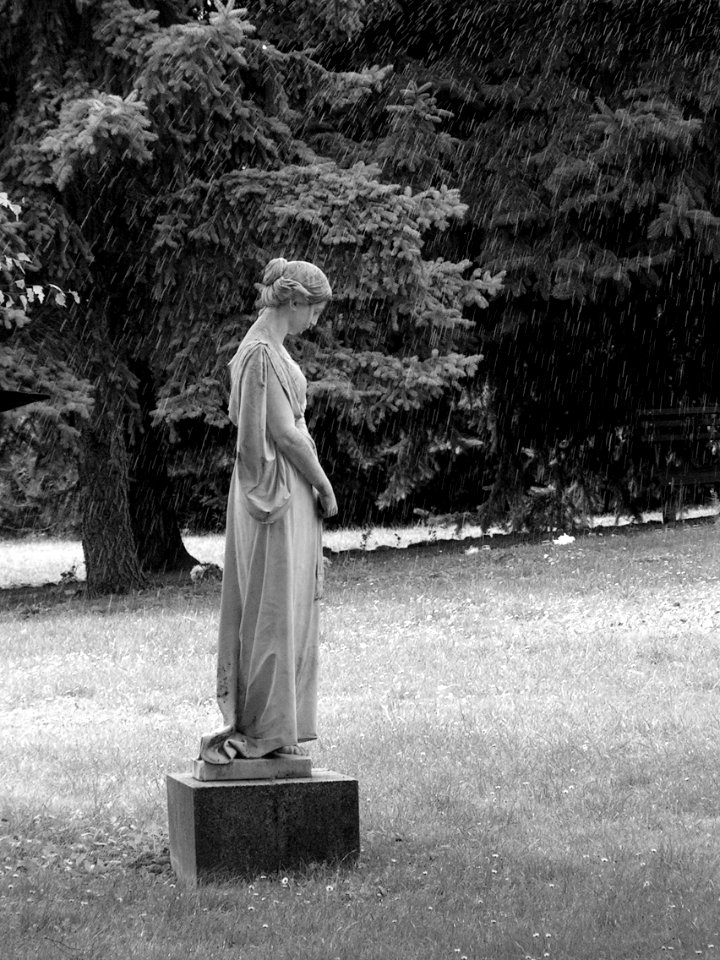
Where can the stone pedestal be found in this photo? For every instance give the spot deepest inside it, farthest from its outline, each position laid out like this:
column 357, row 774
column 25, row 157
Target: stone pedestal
column 275, row 768
column 224, row 829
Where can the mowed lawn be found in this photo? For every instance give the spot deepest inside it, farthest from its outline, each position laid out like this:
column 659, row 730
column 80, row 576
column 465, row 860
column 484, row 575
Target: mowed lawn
column 535, row 730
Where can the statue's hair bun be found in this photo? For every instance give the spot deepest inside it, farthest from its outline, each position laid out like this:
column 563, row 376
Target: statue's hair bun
column 284, row 279
column 274, row 270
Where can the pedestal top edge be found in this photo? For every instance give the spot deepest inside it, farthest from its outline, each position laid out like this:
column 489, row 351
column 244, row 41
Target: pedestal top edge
column 319, row 774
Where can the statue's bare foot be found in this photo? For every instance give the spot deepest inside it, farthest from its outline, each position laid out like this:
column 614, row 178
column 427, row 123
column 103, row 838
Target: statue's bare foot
column 292, row 750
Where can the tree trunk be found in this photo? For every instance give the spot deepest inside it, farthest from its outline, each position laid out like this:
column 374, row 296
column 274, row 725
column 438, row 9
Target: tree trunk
column 111, row 558
column 501, row 504
column 152, row 505
column 152, row 509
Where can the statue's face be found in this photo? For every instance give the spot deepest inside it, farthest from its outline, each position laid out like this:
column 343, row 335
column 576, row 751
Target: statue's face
column 303, row 315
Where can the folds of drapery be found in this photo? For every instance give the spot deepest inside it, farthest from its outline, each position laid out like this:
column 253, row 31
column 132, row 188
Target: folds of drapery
column 263, row 473
column 272, row 578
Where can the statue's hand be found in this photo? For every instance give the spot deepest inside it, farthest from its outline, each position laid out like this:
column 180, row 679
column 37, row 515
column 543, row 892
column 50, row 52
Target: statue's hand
column 327, row 504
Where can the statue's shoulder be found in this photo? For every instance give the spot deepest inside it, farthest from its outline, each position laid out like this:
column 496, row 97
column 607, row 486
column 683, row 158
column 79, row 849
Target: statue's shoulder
column 258, row 350
column 251, row 350
column 253, row 345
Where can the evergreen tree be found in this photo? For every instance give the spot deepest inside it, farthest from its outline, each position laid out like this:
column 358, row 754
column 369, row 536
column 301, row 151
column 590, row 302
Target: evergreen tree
column 164, row 157
column 583, row 140
column 37, row 450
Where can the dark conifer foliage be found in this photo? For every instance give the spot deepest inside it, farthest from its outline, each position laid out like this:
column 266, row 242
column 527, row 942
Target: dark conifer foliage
column 163, row 154
column 584, row 138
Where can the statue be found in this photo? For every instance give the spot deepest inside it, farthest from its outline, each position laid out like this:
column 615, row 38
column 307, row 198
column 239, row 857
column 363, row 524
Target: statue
column 273, row 572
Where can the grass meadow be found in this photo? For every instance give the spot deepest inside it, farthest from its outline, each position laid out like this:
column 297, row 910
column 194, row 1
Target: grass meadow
column 535, row 730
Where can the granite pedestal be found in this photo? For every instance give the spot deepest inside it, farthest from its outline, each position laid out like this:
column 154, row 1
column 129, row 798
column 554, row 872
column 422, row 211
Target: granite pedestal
column 224, row 829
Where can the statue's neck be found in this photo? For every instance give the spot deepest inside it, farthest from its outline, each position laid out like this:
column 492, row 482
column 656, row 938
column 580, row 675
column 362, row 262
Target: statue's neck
column 270, row 325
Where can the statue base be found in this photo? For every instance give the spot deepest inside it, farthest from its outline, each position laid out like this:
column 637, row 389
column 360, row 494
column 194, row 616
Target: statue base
column 236, row 829
column 273, row 768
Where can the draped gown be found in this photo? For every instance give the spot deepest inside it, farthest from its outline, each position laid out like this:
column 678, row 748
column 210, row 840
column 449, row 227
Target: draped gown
column 272, row 578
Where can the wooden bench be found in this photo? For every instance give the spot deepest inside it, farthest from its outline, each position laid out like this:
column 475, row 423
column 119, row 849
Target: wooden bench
column 685, row 446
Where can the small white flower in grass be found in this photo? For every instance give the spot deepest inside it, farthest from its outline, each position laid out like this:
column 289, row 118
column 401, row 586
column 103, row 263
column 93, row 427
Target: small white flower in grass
column 205, row 571
column 329, row 888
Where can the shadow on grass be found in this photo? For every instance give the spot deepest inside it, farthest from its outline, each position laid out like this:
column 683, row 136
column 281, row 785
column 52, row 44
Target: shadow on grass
column 28, row 600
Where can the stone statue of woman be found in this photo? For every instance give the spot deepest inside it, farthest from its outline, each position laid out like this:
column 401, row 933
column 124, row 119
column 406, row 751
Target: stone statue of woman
column 279, row 493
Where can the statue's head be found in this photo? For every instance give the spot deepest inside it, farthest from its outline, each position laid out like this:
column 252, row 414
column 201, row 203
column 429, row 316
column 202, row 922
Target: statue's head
column 286, row 280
